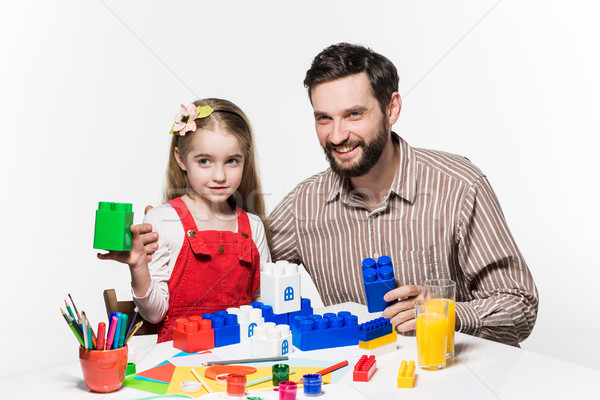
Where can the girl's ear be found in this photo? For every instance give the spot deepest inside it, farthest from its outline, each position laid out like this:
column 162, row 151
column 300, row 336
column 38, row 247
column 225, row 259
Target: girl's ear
column 179, row 159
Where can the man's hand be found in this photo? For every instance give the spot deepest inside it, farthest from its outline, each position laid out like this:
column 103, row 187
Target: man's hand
column 402, row 312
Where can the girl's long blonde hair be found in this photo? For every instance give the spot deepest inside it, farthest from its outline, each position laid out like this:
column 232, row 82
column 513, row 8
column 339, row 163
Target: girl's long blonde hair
column 229, row 117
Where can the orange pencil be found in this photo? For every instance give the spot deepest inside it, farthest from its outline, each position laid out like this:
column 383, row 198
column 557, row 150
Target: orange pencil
column 330, row 369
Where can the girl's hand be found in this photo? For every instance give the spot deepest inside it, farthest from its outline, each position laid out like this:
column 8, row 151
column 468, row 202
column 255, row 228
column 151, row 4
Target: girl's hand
column 138, row 256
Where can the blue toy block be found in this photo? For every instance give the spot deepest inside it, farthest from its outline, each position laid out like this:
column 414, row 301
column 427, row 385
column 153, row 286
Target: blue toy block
column 378, row 278
column 374, row 329
column 322, row 332
column 305, row 309
column 227, row 329
column 269, row 316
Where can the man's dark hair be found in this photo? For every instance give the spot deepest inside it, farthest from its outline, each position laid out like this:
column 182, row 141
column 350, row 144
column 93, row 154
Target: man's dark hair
column 344, row 59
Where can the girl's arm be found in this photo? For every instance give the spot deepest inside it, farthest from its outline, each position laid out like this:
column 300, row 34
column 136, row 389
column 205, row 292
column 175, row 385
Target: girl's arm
column 150, row 278
column 137, row 261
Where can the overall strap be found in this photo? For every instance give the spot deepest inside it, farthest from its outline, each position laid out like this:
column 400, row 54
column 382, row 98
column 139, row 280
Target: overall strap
column 189, row 226
column 244, row 236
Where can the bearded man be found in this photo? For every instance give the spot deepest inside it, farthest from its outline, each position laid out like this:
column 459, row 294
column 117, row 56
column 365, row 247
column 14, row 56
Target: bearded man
column 434, row 213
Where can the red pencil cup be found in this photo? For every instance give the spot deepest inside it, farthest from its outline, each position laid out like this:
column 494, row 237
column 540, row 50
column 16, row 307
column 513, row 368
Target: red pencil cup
column 103, row 370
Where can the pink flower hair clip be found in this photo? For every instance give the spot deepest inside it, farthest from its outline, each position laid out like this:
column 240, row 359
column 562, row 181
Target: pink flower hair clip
column 185, row 121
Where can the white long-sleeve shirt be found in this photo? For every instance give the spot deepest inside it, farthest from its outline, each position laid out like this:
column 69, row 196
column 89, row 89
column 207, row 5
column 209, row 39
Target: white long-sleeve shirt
column 164, row 219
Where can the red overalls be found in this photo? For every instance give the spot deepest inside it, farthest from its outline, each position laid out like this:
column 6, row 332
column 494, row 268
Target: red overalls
column 215, row 270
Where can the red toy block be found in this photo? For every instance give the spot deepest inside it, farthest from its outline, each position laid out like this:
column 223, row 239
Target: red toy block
column 193, row 334
column 364, row 369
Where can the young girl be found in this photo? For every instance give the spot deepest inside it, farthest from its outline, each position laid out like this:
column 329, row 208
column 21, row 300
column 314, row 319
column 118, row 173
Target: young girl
column 209, row 247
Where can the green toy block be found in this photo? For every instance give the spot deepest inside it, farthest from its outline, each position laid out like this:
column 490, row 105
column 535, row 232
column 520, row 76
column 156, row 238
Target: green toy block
column 113, row 222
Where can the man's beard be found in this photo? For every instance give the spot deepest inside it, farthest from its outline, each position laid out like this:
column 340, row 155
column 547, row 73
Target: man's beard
column 371, row 152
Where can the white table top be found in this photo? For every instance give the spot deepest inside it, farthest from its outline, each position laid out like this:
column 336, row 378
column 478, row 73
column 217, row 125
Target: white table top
column 481, row 369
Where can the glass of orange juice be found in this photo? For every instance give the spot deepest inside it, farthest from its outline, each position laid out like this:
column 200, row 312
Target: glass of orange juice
column 444, row 289
column 432, row 332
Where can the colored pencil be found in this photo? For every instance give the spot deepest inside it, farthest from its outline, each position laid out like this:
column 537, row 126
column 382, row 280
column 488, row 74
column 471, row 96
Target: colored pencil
column 331, row 369
column 244, row 361
column 65, row 316
column 85, row 335
column 101, row 341
column 93, row 336
column 71, row 311
column 134, row 330
column 77, row 335
column 268, row 378
column 74, row 307
column 197, row 375
column 131, row 322
column 111, row 332
column 73, row 327
column 76, row 325
column 89, row 331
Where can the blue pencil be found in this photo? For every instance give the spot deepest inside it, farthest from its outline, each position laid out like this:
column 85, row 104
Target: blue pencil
column 131, row 321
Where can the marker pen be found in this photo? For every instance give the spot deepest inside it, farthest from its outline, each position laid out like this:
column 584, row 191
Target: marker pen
column 117, row 331
column 100, row 337
column 111, row 332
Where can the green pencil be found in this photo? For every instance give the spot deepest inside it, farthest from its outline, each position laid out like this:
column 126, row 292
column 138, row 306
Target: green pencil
column 77, row 335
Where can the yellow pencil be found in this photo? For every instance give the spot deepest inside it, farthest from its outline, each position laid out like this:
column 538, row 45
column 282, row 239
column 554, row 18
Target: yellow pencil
column 197, row 375
column 134, row 330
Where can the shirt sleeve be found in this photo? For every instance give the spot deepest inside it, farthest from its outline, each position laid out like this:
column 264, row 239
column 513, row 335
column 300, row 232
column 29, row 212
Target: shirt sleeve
column 260, row 238
column 284, row 244
column 504, row 297
column 154, row 305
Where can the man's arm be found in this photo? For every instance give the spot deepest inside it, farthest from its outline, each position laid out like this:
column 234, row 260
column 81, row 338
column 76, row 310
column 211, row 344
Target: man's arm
column 499, row 300
column 504, row 297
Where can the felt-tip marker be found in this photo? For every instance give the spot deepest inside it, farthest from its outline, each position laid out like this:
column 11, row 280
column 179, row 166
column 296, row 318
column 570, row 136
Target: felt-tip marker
column 101, row 339
column 111, row 332
column 117, row 331
column 123, row 330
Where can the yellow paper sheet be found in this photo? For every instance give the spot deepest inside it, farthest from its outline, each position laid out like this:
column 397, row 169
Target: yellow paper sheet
column 183, row 374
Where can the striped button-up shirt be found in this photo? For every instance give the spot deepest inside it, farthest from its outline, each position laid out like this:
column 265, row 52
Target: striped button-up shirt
column 439, row 220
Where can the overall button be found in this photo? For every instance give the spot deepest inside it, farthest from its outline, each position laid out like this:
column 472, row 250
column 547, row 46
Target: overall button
column 192, row 233
column 221, row 249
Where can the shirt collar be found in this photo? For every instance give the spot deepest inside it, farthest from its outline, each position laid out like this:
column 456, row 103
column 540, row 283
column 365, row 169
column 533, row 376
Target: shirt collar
column 403, row 185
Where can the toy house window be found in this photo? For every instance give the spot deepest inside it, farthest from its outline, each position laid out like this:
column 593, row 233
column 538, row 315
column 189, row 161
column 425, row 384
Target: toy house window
column 288, row 294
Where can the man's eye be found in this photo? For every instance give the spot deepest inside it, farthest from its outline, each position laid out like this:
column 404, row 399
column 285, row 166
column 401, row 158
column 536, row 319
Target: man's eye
column 355, row 114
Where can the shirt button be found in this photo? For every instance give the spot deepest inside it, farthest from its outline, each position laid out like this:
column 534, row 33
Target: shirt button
column 376, row 255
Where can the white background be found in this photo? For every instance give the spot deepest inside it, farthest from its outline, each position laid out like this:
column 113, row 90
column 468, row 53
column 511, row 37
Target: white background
column 89, row 90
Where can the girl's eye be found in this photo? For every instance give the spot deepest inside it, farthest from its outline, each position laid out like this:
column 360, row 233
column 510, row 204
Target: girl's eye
column 233, row 161
column 204, row 161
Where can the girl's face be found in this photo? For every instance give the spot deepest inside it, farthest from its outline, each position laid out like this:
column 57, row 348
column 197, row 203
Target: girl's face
column 214, row 164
